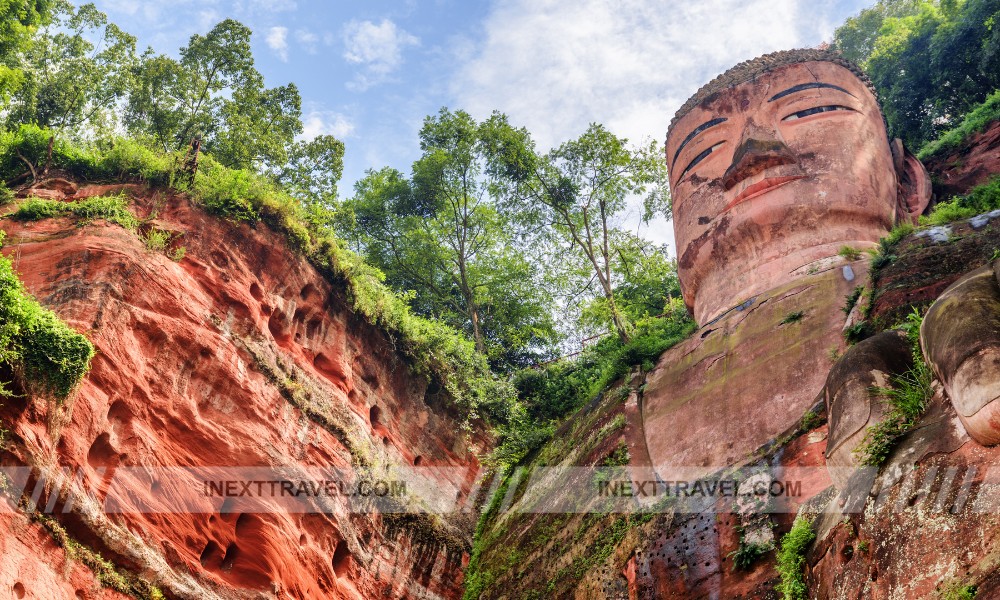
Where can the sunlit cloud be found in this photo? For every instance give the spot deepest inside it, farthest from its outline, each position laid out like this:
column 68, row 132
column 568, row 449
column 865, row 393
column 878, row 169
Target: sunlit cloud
column 376, row 48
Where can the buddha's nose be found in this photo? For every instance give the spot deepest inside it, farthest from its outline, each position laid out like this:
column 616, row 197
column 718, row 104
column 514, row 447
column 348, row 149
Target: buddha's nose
column 759, row 150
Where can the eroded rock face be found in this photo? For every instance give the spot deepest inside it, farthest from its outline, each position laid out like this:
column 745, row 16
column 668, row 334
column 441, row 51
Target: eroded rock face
column 973, row 163
column 742, row 381
column 240, row 355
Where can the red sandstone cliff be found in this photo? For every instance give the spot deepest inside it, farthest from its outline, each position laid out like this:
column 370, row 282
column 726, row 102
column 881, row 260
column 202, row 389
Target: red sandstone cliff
column 241, row 354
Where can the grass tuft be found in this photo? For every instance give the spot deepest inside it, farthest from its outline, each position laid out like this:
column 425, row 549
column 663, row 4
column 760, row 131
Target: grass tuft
column 792, row 560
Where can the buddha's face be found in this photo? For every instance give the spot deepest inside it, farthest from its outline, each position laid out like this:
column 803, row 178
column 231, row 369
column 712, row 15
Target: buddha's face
column 774, row 174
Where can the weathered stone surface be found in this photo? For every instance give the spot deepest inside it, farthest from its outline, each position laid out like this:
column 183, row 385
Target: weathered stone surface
column 961, row 339
column 774, row 193
column 850, row 403
column 742, row 381
column 971, row 164
column 211, row 362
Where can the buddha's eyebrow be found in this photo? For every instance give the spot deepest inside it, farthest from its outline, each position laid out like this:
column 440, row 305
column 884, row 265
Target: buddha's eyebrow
column 691, row 136
column 809, row 86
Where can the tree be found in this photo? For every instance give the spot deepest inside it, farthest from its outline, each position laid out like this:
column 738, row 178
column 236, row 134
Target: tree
column 646, row 286
column 311, row 172
column 856, row 38
column 71, row 81
column 577, row 192
column 18, row 21
column 215, row 92
column 440, row 235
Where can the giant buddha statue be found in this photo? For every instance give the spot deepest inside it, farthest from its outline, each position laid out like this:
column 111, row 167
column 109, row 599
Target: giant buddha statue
column 775, row 167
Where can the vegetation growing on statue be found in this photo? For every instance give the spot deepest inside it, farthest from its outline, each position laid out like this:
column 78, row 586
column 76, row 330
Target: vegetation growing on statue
column 792, row 559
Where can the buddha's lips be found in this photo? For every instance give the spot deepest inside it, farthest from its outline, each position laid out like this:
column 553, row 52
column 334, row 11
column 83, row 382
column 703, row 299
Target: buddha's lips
column 760, row 187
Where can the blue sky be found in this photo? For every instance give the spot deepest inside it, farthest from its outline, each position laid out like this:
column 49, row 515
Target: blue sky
column 369, row 72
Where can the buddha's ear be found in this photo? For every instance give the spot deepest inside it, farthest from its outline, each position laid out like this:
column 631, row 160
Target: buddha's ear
column 913, row 183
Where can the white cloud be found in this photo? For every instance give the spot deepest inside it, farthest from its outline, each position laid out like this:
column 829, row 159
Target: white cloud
column 324, row 122
column 277, row 40
column 307, row 39
column 378, row 49
column 558, row 65
column 555, row 66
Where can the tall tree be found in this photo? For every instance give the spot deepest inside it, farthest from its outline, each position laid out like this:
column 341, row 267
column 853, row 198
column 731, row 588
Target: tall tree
column 215, row 92
column 578, row 192
column 75, row 72
column 18, row 21
column 440, row 234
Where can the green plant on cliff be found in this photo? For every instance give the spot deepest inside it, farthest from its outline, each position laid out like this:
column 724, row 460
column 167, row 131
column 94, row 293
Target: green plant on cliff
column 104, row 570
column 114, row 209
column 45, row 353
column 906, row 397
column 980, row 199
column 957, row 591
column 974, row 122
column 792, row 559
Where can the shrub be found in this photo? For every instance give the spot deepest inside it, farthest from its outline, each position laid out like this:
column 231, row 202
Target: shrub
column 974, row 121
column 792, row 560
column 156, row 240
column 46, row 353
column 849, row 253
column 907, row 398
column 114, row 209
column 981, row 199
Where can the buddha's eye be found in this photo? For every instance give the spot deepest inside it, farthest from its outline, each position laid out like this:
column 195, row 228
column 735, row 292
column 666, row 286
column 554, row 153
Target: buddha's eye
column 698, row 159
column 814, row 111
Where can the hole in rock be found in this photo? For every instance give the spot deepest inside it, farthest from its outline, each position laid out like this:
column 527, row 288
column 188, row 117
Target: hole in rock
column 232, row 553
column 278, row 326
column 341, row 559
column 308, row 290
column 80, row 595
column 19, row 590
column 256, row 292
column 374, row 416
column 417, row 461
column 101, row 453
column 385, row 440
column 302, row 540
column 209, row 553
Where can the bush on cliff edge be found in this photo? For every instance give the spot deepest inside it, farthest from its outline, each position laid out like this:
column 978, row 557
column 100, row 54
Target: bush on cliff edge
column 48, row 356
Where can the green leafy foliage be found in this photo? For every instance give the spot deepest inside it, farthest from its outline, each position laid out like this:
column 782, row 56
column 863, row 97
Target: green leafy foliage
column 974, row 122
column 931, row 61
column 48, row 356
column 76, row 70
column 906, row 397
column 792, row 560
column 440, row 234
column 114, row 209
column 981, row 199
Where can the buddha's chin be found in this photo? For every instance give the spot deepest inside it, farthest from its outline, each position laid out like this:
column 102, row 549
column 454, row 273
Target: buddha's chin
column 765, row 246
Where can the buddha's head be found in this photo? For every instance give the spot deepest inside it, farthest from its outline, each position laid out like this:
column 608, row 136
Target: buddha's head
column 775, row 165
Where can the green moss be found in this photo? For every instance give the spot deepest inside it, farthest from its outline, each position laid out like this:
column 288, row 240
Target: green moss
column 958, row 591
column 48, row 356
column 792, row 560
column 104, row 570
